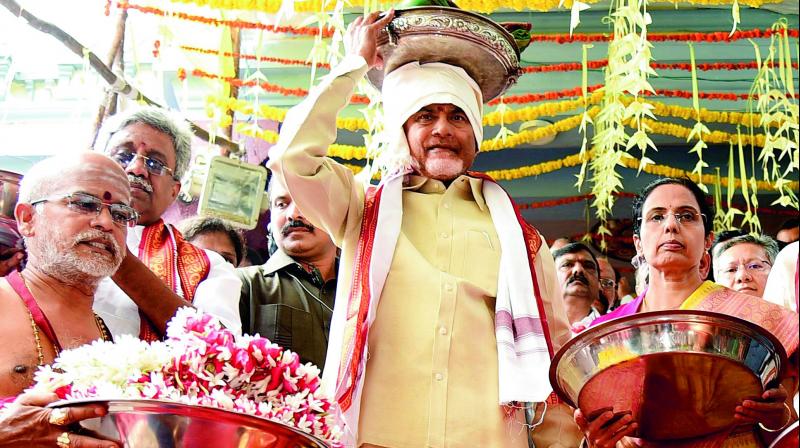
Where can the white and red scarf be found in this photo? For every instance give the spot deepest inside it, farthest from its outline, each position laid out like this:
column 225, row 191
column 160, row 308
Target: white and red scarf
column 523, row 343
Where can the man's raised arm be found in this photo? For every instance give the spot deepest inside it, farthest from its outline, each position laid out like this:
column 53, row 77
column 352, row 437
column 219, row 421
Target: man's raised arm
column 324, row 190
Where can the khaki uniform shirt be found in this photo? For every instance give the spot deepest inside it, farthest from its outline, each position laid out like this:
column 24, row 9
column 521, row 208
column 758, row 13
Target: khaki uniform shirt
column 288, row 305
column 432, row 367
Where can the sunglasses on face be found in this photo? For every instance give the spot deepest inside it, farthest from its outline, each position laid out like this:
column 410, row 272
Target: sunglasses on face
column 87, row 204
column 153, row 166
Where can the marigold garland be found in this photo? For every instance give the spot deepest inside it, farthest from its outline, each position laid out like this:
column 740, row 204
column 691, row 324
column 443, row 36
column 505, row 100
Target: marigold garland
column 314, row 6
column 252, row 57
column 347, row 152
column 301, row 31
column 625, row 194
column 521, row 138
column 510, row 116
column 668, row 171
column 562, row 67
column 575, row 92
column 600, row 63
column 278, row 114
column 513, row 99
column 682, row 132
column 266, row 86
column 628, row 162
column 487, row 6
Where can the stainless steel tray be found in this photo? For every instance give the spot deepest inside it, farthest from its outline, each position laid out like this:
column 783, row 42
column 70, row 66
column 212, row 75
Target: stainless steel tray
column 163, row 424
column 680, row 373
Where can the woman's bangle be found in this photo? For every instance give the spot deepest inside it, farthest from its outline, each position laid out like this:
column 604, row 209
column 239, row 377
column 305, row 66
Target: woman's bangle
column 788, row 420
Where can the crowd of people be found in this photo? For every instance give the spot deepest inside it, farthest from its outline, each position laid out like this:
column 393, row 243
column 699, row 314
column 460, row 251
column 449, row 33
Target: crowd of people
column 432, row 306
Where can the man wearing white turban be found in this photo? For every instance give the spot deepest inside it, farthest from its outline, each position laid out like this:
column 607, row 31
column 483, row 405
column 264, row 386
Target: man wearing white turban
column 468, row 317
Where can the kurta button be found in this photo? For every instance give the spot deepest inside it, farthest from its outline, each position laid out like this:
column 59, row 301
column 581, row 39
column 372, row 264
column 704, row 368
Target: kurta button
column 446, row 205
column 444, row 235
column 439, row 377
column 442, row 331
column 448, row 287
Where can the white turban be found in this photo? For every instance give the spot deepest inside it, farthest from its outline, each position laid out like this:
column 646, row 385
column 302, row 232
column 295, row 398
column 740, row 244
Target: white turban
column 413, row 86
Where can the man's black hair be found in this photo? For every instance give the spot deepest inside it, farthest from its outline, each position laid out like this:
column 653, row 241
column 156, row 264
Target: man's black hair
column 573, row 248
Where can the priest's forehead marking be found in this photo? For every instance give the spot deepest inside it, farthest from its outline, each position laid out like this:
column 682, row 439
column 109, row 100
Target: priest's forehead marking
column 107, row 195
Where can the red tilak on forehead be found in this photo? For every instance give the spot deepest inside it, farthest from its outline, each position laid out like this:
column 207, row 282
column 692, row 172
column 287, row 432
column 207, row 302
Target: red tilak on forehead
column 107, row 196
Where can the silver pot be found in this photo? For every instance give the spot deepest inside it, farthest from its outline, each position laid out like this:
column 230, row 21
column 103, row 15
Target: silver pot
column 163, row 424
column 680, row 374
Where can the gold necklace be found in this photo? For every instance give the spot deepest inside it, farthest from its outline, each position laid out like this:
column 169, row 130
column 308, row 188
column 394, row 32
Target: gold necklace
column 38, row 340
column 39, row 351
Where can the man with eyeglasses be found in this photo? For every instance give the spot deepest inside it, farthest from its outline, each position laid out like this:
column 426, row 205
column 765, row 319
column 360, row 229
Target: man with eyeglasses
column 74, row 214
column 608, row 286
column 162, row 271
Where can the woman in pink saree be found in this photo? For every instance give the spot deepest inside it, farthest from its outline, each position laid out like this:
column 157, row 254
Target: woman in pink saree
column 672, row 231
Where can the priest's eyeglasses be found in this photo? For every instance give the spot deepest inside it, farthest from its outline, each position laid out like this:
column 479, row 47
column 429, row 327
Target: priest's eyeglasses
column 87, row 204
column 683, row 218
column 153, row 166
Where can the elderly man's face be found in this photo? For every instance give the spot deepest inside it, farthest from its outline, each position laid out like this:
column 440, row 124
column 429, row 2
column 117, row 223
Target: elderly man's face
column 744, row 268
column 578, row 276
column 152, row 192
column 296, row 236
column 441, row 141
column 69, row 242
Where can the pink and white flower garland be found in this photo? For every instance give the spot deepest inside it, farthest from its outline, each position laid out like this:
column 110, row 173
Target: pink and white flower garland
column 200, row 363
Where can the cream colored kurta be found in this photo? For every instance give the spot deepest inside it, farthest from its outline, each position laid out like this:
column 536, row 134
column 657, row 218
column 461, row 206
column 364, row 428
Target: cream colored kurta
column 431, row 376
column 430, row 381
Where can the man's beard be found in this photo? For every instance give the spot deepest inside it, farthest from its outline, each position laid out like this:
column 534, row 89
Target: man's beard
column 441, row 169
column 54, row 256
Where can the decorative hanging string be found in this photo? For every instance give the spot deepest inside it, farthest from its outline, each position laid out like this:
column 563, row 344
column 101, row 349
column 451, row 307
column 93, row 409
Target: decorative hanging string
column 575, row 159
column 252, row 57
column 718, row 36
column 511, row 99
column 576, row 91
column 483, row 6
column 575, row 66
column 510, row 116
column 243, row 24
column 266, row 86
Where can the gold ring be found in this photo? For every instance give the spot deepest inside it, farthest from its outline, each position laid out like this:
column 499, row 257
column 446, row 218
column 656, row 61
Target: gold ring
column 63, row 440
column 58, row 417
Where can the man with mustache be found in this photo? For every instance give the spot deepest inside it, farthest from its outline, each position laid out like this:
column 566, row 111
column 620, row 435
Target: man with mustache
column 578, row 274
column 289, row 299
column 73, row 213
column 161, row 271
column 450, row 317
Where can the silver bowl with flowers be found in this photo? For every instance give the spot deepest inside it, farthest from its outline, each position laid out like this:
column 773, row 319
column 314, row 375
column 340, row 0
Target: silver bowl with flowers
column 141, row 423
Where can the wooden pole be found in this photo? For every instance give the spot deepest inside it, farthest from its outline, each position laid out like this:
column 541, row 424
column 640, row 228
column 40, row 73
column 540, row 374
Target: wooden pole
column 116, row 83
column 236, row 46
column 114, row 55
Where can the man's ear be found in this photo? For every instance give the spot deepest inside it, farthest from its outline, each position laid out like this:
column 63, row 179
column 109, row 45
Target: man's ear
column 637, row 243
column 24, row 215
column 176, row 189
